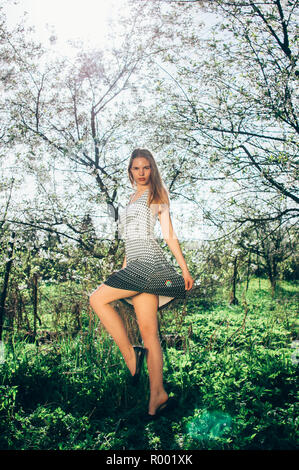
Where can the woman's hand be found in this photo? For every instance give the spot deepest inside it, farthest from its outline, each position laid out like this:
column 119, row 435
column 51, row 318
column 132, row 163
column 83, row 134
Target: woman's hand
column 188, row 279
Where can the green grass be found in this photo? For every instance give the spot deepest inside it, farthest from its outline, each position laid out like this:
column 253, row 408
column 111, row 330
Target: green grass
column 232, row 372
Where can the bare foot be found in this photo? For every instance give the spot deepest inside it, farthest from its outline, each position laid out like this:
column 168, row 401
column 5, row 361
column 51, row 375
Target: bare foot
column 157, row 400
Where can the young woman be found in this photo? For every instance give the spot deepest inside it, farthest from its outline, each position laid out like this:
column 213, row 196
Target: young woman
column 147, row 281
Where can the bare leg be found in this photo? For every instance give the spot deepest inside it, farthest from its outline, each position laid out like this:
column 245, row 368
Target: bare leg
column 146, row 306
column 99, row 300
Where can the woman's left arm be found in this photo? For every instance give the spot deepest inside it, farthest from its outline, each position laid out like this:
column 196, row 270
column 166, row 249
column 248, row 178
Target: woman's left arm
column 171, row 239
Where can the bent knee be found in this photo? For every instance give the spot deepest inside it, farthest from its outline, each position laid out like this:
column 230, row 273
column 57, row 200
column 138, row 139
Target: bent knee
column 96, row 295
column 149, row 335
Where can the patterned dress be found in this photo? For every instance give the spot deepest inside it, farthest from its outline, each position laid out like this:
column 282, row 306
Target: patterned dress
column 147, row 269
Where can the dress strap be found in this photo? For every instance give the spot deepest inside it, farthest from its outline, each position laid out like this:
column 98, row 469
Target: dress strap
column 130, row 201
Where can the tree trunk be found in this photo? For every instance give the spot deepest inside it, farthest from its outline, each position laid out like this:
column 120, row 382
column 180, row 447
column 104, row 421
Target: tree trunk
column 233, row 299
column 35, row 315
column 248, row 271
column 34, row 303
column 5, row 283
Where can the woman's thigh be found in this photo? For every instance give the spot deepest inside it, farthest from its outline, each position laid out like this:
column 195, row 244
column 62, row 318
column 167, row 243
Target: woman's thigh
column 106, row 294
column 146, row 307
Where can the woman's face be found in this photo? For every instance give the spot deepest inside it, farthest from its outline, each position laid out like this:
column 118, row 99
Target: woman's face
column 141, row 171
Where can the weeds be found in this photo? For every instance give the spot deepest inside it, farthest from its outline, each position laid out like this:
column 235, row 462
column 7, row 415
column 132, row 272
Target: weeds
column 230, row 367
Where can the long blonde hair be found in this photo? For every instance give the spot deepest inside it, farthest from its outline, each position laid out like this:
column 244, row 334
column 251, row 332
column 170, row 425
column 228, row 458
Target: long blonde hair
column 158, row 193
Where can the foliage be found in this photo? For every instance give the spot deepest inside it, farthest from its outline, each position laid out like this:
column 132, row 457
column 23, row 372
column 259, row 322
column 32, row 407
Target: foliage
column 232, row 373
column 221, row 112
column 226, row 103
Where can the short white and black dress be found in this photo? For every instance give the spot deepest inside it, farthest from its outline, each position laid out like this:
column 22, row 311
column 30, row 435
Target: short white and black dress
column 147, row 268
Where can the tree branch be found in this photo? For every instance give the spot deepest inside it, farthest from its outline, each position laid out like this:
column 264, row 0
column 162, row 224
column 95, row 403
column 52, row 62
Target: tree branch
column 273, row 183
column 284, row 47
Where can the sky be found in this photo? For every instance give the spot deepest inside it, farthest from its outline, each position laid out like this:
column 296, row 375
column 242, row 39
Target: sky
column 67, row 19
column 75, row 19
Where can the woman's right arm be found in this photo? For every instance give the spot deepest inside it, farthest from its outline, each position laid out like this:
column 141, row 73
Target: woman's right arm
column 124, row 263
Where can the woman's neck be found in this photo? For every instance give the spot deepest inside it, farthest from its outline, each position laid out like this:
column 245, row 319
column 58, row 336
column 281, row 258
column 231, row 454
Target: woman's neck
column 141, row 188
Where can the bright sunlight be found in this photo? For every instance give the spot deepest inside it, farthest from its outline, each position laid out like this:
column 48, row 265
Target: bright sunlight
column 61, row 21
